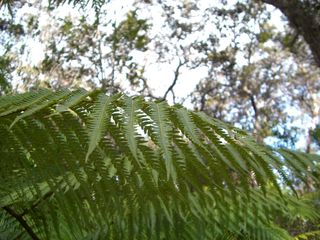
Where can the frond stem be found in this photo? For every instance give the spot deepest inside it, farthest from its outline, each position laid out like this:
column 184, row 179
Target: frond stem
column 23, row 223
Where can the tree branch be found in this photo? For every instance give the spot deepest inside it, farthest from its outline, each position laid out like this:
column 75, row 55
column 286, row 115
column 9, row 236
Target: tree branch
column 304, row 19
column 254, row 106
column 257, row 125
column 175, row 79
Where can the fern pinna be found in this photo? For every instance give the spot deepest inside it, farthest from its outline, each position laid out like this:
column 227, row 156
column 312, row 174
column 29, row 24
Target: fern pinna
column 84, row 165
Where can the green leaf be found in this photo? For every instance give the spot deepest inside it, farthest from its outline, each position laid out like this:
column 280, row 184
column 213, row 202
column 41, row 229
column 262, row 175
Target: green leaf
column 97, row 125
column 163, row 128
column 23, row 101
column 41, row 104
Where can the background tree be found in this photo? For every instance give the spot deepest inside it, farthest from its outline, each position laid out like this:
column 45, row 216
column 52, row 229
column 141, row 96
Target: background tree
column 78, row 53
column 303, row 16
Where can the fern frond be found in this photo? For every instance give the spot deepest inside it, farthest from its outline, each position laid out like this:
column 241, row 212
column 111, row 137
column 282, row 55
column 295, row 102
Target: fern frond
column 47, row 101
column 79, row 165
column 159, row 112
column 11, row 104
column 101, row 113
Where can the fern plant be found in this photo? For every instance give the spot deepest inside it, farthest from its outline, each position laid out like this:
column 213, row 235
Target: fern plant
column 84, row 165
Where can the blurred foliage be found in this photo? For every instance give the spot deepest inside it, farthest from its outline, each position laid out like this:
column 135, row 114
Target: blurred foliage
column 316, row 135
column 5, row 70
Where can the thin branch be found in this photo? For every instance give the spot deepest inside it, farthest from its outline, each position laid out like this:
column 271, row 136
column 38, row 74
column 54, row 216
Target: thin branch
column 257, row 125
column 175, row 79
column 254, row 106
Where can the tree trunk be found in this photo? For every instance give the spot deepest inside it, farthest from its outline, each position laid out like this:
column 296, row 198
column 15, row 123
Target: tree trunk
column 305, row 17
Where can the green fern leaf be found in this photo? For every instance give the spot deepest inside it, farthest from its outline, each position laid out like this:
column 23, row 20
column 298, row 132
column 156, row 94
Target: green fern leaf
column 131, row 106
column 97, row 124
column 159, row 114
column 155, row 171
column 47, row 101
column 23, row 101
